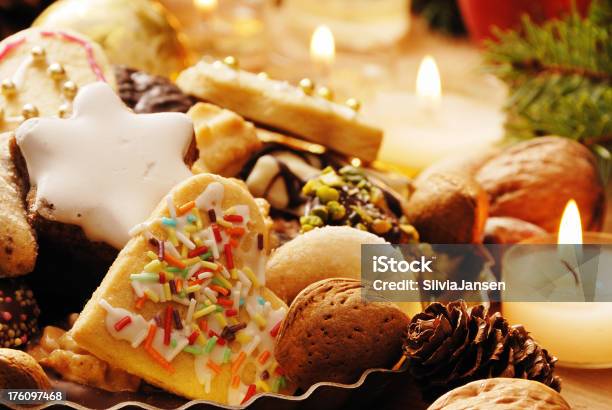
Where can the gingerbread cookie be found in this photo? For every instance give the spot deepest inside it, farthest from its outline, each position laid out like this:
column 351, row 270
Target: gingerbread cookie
column 41, row 71
column 105, row 168
column 185, row 305
column 18, row 248
column 282, row 106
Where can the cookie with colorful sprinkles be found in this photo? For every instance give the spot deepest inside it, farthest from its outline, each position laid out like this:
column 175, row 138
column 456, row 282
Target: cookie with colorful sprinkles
column 185, row 305
column 41, row 71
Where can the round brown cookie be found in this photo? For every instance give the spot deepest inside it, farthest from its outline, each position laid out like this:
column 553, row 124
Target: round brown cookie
column 19, row 370
column 18, row 313
column 41, row 71
column 331, row 335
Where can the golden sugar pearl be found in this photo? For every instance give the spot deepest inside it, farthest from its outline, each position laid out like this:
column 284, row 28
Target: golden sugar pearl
column 231, row 62
column 325, row 92
column 38, row 54
column 56, row 71
column 69, row 89
column 353, row 103
column 63, row 110
column 29, row 111
column 8, row 87
column 307, row 85
column 263, row 75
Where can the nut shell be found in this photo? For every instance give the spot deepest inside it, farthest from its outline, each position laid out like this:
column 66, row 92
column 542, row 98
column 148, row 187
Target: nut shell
column 534, row 180
column 19, row 370
column 506, row 230
column 331, row 335
column 499, row 394
column 448, row 208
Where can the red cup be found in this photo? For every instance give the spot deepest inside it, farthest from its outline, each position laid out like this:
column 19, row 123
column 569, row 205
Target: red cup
column 480, row 16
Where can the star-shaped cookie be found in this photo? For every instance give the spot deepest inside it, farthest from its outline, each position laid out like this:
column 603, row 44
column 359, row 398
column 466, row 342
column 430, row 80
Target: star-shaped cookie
column 104, row 168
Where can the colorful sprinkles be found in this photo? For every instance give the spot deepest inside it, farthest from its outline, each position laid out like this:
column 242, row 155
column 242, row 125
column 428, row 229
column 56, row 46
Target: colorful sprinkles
column 218, row 313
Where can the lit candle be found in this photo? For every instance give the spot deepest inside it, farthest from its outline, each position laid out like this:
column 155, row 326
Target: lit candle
column 427, row 126
column 578, row 333
column 322, row 52
column 205, row 7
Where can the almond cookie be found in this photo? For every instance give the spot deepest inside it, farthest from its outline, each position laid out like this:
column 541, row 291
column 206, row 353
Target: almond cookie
column 282, row 106
column 331, row 335
column 501, row 394
column 41, row 71
column 185, row 305
column 19, row 370
column 18, row 247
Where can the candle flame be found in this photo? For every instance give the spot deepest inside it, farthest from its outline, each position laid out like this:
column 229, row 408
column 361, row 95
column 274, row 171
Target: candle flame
column 205, row 5
column 570, row 228
column 428, row 84
column 322, row 45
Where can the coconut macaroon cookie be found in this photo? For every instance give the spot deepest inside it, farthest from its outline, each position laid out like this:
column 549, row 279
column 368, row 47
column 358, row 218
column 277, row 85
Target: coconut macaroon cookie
column 185, row 305
column 41, row 71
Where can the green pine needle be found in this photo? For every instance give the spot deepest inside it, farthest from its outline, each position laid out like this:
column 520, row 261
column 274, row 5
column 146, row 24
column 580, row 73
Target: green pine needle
column 560, row 77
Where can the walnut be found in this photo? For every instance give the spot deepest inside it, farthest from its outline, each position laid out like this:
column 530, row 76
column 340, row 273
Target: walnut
column 533, row 181
column 448, row 208
column 501, row 394
column 506, row 230
column 19, row 370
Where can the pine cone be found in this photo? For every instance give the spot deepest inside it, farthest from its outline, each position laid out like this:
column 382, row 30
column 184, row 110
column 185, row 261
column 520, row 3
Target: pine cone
column 448, row 346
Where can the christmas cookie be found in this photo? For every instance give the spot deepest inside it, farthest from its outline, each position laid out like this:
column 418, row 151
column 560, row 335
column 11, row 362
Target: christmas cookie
column 282, row 106
column 336, row 249
column 41, row 71
column 102, row 170
column 331, row 334
column 349, row 197
column 224, row 139
column 57, row 350
column 185, row 305
column 146, row 93
column 19, row 249
column 18, row 313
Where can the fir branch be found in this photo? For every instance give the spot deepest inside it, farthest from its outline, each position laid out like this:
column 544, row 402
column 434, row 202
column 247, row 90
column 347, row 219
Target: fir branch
column 560, row 78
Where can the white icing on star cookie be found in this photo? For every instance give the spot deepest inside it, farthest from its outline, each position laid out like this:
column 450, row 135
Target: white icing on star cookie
column 105, row 168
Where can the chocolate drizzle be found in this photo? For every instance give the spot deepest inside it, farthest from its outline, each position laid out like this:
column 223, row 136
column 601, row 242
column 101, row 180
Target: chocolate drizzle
column 146, row 93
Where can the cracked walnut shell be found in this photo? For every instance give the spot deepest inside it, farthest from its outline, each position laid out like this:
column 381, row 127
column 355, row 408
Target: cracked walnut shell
column 501, row 394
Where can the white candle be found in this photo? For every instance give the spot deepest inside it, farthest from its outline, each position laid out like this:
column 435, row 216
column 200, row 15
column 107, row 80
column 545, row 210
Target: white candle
column 205, row 7
column 578, row 333
column 427, row 126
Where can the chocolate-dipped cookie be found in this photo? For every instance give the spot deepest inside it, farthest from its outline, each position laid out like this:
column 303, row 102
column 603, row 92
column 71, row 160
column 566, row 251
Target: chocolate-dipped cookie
column 148, row 93
column 349, row 197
